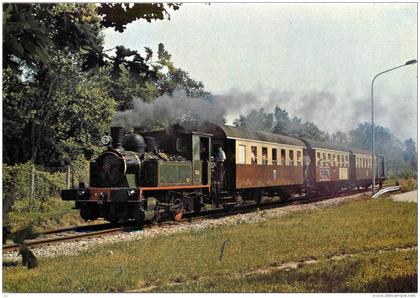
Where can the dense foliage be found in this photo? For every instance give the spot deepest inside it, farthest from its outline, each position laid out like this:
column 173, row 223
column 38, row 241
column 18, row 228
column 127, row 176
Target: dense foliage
column 61, row 88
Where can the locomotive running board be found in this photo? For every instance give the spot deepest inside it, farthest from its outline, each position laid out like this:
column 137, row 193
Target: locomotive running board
column 385, row 190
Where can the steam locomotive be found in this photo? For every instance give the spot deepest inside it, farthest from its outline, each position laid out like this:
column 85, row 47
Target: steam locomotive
column 157, row 174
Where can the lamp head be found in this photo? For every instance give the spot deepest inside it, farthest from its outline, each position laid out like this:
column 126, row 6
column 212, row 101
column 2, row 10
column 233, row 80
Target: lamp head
column 414, row 61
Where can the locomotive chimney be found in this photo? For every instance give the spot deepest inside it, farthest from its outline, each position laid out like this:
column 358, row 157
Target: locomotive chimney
column 117, row 135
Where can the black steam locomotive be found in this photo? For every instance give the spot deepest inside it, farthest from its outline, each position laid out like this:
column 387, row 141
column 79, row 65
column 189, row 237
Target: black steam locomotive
column 169, row 172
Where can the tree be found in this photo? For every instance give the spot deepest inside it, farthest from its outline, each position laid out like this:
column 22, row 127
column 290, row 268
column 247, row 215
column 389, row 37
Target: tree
column 279, row 122
column 339, row 138
column 32, row 33
column 256, row 120
column 410, row 153
column 58, row 80
column 386, row 144
column 282, row 121
column 55, row 116
column 164, row 78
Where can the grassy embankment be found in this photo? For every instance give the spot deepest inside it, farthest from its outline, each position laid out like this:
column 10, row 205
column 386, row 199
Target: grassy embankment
column 407, row 184
column 190, row 262
column 54, row 213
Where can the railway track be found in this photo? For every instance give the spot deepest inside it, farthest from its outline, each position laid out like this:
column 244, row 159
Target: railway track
column 99, row 230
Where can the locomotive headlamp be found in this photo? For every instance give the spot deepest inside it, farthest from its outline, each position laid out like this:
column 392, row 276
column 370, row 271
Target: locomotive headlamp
column 106, row 140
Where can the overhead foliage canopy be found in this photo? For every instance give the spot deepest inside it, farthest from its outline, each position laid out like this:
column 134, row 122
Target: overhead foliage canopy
column 118, row 15
column 32, row 33
column 62, row 88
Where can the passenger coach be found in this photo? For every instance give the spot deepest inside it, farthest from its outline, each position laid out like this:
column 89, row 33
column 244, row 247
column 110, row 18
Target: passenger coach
column 279, row 164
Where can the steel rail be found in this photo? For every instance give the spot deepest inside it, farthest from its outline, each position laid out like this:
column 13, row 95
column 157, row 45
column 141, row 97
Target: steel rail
column 38, row 242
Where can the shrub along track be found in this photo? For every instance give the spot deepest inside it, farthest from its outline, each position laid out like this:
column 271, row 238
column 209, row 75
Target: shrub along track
column 102, row 230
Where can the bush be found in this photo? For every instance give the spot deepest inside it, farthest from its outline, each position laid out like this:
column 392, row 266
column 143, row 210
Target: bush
column 17, row 181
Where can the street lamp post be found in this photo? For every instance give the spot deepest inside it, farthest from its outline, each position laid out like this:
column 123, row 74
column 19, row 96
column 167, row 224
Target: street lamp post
column 373, row 136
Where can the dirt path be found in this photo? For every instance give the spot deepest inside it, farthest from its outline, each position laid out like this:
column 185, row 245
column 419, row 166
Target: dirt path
column 410, row 196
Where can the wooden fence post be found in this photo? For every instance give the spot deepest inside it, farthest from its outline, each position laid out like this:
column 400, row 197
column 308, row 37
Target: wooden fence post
column 68, row 176
column 72, row 178
column 33, row 182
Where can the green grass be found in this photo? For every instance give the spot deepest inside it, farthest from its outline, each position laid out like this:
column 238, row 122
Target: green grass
column 54, row 213
column 353, row 228
column 387, row 272
column 407, row 184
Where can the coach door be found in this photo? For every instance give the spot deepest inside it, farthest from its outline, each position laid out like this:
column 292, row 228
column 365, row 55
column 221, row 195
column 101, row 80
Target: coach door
column 205, row 153
column 200, row 158
column 309, row 164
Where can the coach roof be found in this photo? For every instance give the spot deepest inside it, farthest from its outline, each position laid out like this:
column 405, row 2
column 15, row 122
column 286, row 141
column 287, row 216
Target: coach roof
column 231, row 132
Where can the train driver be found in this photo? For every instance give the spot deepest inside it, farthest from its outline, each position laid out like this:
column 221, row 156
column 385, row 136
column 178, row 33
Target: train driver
column 220, row 159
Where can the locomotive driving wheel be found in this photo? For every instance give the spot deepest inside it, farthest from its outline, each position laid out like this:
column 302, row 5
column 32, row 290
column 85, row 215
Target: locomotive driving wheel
column 176, row 204
column 178, row 208
column 157, row 218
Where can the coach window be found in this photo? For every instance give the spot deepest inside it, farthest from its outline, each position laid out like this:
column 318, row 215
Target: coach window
column 291, row 158
column 254, row 155
column 274, row 156
column 318, row 158
column 324, row 159
column 299, row 158
column 241, row 154
column 283, row 157
column 264, row 156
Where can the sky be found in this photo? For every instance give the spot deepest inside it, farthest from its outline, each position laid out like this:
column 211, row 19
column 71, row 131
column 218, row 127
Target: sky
column 316, row 60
